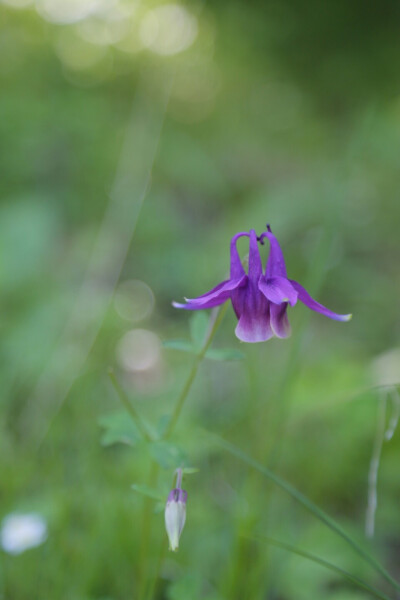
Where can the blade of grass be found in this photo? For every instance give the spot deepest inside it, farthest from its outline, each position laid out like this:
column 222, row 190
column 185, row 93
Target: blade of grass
column 308, row 504
column 324, row 563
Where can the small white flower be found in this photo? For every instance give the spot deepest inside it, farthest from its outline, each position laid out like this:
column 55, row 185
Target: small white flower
column 19, row 532
column 175, row 513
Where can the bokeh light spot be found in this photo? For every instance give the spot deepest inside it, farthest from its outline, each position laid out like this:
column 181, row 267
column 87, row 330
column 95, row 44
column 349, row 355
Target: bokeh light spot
column 101, row 31
column 66, row 11
column 17, row 3
column 77, row 54
column 134, row 300
column 139, row 350
column 168, row 29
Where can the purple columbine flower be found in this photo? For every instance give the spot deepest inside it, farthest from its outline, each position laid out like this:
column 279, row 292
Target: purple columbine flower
column 259, row 300
column 175, row 512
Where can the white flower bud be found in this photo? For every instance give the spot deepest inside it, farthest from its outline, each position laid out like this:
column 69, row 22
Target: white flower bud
column 175, row 516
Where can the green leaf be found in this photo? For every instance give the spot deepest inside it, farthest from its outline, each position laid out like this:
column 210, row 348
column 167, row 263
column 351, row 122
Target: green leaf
column 198, row 329
column 324, row 563
column 180, row 345
column 224, row 354
column 119, row 429
column 166, row 454
column 147, row 491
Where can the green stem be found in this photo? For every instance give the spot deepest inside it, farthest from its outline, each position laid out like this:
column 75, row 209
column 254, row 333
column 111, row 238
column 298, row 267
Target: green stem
column 193, row 372
column 353, row 578
column 122, row 395
column 215, row 321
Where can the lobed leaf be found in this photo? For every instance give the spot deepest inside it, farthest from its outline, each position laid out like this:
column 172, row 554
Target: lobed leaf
column 119, row 429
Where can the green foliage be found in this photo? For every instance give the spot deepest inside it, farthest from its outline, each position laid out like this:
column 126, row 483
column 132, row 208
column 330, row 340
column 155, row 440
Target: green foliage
column 119, row 428
column 145, row 490
column 167, row 455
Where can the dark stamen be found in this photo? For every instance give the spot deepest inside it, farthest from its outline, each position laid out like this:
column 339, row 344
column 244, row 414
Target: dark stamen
column 260, row 239
column 268, row 226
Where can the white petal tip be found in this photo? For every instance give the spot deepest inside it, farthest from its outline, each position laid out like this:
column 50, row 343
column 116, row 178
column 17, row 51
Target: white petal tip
column 347, row 317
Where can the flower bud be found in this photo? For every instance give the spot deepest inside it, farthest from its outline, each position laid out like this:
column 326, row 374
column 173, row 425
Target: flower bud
column 175, row 514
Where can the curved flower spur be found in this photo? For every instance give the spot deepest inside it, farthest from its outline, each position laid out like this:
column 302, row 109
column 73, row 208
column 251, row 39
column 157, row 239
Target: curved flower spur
column 259, row 300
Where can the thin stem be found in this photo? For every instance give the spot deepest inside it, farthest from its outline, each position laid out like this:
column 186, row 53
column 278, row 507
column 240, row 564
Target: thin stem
column 215, row 320
column 394, row 419
column 308, row 504
column 374, row 467
column 193, row 372
column 122, row 395
column 353, row 578
column 178, row 478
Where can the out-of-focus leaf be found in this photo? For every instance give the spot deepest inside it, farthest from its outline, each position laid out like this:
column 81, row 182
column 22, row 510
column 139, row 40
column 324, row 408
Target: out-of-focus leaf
column 180, row 345
column 198, row 329
column 162, row 425
column 166, row 454
column 147, row 491
column 224, row 354
column 119, row 429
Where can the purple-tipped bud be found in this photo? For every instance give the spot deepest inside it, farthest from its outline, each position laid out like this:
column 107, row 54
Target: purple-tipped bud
column 175, row 513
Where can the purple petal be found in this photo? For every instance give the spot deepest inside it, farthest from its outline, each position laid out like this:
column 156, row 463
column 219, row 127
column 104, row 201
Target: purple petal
column 252, row 310
column 306, row 299
column 279, row 320
column 237, row 269
column 255, row 264
column 276, row 262
column 278, row 290
column 195, row 306
column 218, row 295
column 223, row 289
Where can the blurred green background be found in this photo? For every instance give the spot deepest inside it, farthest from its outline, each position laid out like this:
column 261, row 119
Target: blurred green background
column 136, row 138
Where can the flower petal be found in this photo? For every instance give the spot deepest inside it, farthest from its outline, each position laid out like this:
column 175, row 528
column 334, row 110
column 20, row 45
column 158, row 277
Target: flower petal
column 278, row 290
column 306, row 299
column 252, row 310
column 255, row 264
column 276, row 262
column 223, row 289
column 237, row 269
column 279, row 320
column 196, row 306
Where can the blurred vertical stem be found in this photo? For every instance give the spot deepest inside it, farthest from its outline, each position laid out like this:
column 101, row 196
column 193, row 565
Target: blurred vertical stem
column 215, row 321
